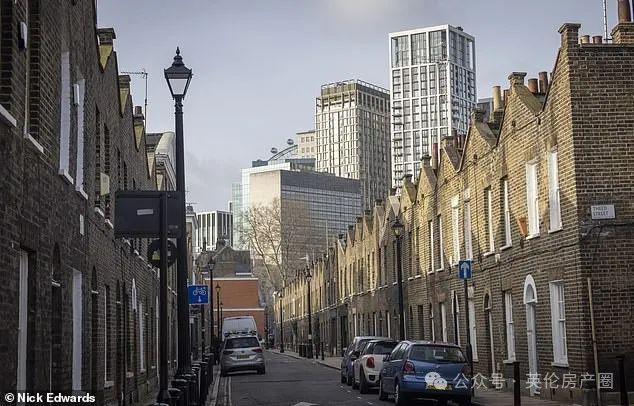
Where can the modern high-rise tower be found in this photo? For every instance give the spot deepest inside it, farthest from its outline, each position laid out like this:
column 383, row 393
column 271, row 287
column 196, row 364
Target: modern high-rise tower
column 353, row 137
column 433, row 85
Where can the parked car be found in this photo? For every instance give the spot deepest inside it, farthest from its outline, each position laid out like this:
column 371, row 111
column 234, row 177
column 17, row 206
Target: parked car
column 368, row 367
column 422, row 369
column 351, row 353
column 241, row 353
column 239, row 325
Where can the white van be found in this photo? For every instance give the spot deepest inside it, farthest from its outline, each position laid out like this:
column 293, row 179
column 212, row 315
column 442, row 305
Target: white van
column 238, row 325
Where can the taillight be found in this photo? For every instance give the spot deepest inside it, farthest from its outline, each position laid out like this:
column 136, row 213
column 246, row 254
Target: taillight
column 408, row 368
column 257, row 350
column 369, row 362
column 227, row 352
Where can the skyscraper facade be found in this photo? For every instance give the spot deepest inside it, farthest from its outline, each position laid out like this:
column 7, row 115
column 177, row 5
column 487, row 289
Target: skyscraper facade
column 432, row 82
column 212, row 226
column 352, row 135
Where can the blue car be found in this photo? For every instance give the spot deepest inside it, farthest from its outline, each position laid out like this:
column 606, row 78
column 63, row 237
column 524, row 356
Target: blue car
column 422, row 369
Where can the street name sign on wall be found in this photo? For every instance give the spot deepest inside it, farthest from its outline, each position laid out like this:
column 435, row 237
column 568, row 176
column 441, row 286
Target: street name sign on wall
column 464, row 269
column 602, row 212
column 198, row 294
column 137, row 214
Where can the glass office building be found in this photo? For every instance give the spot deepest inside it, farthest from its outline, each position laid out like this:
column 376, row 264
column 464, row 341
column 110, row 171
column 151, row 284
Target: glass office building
column 433, row 85
column 353, row 136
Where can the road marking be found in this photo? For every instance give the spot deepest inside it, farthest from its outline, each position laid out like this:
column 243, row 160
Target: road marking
column 229, row 390
column 305, row 404
column 214, row 392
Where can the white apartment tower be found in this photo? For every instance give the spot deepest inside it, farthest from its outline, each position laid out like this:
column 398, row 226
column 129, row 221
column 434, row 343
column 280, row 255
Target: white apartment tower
column 352, row 135
column 433, row 85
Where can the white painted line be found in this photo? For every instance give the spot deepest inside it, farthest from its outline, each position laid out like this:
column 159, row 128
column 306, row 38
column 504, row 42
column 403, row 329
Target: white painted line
column 229, row 392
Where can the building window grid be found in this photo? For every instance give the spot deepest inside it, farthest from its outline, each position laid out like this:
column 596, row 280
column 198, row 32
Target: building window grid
column 488, row 202
column 558, row 317
column 506, row 213
column 510, row 329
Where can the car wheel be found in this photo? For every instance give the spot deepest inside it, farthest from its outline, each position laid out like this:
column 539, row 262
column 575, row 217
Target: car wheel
column 382, row 394
column 343, row 378
column 400, row 399
column 363, row 384
column 355, row 385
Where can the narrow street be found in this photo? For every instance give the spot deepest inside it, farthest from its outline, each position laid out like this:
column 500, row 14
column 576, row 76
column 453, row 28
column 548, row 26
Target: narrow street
column 292, row 382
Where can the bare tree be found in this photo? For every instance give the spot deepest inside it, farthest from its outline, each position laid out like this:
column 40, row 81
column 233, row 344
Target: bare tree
column 278, row 235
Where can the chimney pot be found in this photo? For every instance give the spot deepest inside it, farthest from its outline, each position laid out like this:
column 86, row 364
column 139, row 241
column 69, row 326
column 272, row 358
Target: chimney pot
column 106, row 36
column 533, row 85
column 625, row 12
column 597, row 39
column 585, row 39
column 378, row 202
column 124, row 81
column 138, row 110
column 517, row 78
column 497, row 98
column 543, row 82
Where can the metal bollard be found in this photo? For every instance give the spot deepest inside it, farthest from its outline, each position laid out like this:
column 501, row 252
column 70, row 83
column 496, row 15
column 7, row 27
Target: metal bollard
column 175, row 397
column 204, row 381
column 622, row 386
column 193, row 388
column 517, row 397
column 322, row 351
column 183, row 386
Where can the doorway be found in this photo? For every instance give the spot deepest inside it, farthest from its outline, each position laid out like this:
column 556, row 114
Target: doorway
column 530, row 301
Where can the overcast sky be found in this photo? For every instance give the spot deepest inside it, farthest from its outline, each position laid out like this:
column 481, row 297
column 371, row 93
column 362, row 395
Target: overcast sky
column 258, row 64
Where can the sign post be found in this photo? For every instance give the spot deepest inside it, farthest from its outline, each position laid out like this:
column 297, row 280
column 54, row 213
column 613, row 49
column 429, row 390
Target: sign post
column 465, row 273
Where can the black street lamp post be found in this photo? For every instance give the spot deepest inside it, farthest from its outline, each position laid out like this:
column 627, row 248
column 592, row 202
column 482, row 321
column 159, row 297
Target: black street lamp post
column 218, row 310
column 178, row 77
column 281, row 323
column 211, row 265
column 309, row 277
column 398, row 227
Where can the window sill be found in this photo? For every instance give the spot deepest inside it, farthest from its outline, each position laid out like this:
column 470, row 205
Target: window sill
column 555, row 230
column 81, row 193
column 394, row 283
column 109, row 223
column 108, row 384
column 66, row 176
column 99, row 212
column 34, row 143
column 418, row 276
column 531, row 237
column 129, row 374
column 560, row 364
column 7, row 118
column 136, row 252
column 411, row 278
column 127, row 242
column 488, row 254
column 504, row 248
column 440, row 269
column 509, row 361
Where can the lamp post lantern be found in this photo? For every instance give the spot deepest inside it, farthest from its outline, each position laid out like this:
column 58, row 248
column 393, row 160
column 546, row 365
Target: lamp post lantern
column 178, row 77
column 398, row 227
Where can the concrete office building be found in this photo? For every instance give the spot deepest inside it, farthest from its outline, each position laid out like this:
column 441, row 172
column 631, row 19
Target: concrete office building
column 432, row 80
column 212, row 226
column 352, row 135
column 314, row 207
column 306, row 144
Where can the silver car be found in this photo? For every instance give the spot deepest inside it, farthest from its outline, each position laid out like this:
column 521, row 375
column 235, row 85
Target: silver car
column 241, row 353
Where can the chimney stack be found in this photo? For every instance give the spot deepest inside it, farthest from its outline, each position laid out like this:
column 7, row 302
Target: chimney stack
column 507, row 92
column 533, row 85
column 625, row 12
column 434, row 155
column 597, row 39
column 497, row 98
column 543, row 82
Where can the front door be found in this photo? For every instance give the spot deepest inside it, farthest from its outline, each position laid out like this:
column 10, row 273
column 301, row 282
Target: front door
column 532, row 343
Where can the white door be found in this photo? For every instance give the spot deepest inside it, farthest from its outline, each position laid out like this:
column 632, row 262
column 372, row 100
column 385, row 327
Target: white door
column 491, row 347
column 532, row 342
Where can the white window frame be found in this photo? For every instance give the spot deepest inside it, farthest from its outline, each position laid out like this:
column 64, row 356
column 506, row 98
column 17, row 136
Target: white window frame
column 508, row 238
column 79, row 175
column 472, row 324
column 488, row 195
column 443, row 321
column 558, row 318
column 77, row 329
column 23, row 322
column 510, row 328
column 554, row 202
column 432, row 253
column 468, row 231
column 455, row 229
column 441, row 246
column 532, row 199
column 64, row 130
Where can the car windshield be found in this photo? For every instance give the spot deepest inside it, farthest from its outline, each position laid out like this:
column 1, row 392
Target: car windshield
column 436, row 354
column 242, row 342
column 384, row 348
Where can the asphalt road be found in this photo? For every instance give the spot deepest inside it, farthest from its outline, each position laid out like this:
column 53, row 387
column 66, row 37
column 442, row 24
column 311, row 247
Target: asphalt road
column 289, row 382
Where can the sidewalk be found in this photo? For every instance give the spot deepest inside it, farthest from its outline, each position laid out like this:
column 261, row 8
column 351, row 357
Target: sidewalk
column 485, row 397
column 330, row 362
